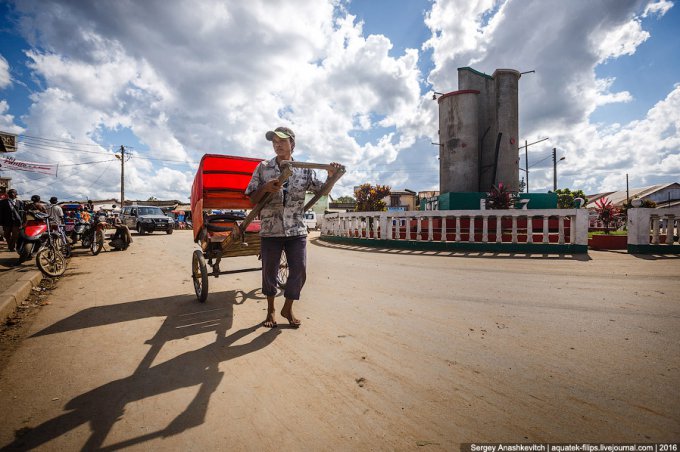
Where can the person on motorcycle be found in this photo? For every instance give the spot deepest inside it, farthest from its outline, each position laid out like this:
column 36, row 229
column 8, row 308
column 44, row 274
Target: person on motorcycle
column 36, row 204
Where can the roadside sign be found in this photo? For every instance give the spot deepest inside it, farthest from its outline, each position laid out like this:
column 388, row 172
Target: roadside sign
column 8, row 142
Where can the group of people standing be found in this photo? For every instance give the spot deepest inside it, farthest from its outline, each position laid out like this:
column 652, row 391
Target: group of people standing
column 13, row 213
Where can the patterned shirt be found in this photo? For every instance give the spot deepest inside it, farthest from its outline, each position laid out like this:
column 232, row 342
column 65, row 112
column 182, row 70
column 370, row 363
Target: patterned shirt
column 282, row 216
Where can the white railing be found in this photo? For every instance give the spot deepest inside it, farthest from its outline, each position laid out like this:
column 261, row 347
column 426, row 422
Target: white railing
column 543, row 226
column 653, row 226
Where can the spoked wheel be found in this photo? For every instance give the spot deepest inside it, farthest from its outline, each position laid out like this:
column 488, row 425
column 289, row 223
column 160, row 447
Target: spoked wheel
column 63, row 246
column 98, row 242
column 282, row 276
column 50, row 261
column 199, row 273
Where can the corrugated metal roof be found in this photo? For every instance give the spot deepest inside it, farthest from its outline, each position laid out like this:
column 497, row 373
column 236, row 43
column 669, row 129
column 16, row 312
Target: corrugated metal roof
column 618, row 198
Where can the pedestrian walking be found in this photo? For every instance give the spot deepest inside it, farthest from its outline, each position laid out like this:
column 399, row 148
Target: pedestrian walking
column 11, row 217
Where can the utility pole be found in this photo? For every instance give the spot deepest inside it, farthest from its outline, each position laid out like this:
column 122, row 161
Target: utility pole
column 526, row 161
column 122, row 174
column 526, row 156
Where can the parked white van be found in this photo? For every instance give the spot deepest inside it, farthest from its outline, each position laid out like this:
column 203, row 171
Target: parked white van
column 309, row 220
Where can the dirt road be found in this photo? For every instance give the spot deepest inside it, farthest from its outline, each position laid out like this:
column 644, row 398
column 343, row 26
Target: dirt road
column 397, row 351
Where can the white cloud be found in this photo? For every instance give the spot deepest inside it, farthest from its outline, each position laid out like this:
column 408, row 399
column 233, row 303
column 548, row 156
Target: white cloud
column 7, row 120
column 5, row 77
column 622, row 40
column 213, row 76
column 658, row 8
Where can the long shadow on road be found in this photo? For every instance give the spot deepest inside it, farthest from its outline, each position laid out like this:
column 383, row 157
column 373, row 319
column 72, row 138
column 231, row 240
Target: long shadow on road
column 105, row 405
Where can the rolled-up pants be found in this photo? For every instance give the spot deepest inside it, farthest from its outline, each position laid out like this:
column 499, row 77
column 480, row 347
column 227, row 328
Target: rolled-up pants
column 296, row 255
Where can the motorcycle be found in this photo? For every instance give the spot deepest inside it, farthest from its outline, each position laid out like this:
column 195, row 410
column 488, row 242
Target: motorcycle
column 92, row 235
column 38, row 239
column 79, row 231
column 32, row 235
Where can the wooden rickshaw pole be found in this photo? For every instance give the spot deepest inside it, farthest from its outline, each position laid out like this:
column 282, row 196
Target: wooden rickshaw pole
column 286, row 172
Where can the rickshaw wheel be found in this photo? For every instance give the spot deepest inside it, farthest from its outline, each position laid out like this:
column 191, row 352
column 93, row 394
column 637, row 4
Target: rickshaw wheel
column 282, row 275
column 199, row 273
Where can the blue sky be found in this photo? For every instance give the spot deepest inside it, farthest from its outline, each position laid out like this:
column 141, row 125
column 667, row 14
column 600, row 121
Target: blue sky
column 649, row 74
column 354, row 79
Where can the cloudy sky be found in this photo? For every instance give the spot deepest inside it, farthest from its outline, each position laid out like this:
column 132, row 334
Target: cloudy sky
column 172, row 80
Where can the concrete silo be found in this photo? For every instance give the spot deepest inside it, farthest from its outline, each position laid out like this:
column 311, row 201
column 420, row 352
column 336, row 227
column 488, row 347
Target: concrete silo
column 478, row 140
column 496, row 110
column 458, row 145
column 507, row 123
column 469, row 78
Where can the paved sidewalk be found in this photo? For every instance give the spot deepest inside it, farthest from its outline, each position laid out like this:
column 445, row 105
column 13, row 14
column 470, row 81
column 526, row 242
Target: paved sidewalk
column 16, row 281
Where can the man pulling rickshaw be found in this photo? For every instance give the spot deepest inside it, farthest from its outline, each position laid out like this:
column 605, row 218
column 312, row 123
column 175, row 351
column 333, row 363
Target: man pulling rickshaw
column 276, row 192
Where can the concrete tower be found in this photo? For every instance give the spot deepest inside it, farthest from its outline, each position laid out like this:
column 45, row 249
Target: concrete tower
column 496, row 111
column 458, row 134
column 507, row 123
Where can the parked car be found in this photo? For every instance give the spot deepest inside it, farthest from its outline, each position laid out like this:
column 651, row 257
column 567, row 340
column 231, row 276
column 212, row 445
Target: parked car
column 145, row 219
column 309, row 220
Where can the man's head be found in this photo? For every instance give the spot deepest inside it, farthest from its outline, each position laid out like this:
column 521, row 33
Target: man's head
column 53, row 200
column 283, row 140
column 12, row 193
column 35, row 198
column 281, row 132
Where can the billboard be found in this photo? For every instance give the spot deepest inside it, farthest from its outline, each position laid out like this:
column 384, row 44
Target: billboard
column 14, row 164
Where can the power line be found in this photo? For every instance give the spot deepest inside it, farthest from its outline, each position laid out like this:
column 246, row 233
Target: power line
column 58, row 141
column 86, row 163
column 163, row 160
column 542, row 160
column 100, row 176
column 54, row 148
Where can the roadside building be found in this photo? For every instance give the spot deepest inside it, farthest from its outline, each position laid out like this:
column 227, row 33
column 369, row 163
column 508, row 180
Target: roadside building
column 401, row 201
column 320, row 206
column 663, row 195
column 428, row 200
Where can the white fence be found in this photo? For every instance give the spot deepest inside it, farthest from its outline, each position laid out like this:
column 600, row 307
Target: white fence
column 653, row 226
column 540, row 226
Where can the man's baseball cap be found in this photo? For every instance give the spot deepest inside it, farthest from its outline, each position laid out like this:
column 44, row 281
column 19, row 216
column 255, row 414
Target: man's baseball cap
column 281, row 132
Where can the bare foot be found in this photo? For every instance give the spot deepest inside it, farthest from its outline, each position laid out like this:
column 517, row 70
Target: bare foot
column 270, row 321
column 292, row 321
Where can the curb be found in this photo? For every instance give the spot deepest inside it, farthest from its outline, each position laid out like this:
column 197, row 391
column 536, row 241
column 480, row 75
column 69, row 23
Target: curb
column 11, row 298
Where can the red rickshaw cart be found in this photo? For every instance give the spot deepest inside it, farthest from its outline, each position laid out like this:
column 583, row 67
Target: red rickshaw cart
column 219, row 184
